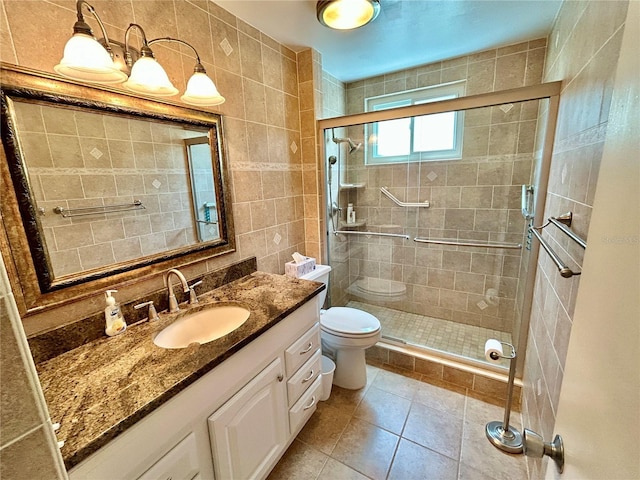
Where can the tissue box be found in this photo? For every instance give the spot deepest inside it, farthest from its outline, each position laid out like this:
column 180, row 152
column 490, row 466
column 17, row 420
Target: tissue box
column 296, row 270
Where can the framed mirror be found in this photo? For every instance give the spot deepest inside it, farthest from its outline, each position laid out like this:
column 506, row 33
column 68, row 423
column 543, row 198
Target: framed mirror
column 100, row 187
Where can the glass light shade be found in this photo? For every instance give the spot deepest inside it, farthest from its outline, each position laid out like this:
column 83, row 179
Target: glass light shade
column 85, row 59
column 201, row 91
column 348, row 14
column 149, row 78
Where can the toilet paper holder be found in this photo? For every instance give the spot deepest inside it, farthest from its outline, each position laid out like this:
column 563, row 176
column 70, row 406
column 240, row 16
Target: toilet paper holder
column 501, row 434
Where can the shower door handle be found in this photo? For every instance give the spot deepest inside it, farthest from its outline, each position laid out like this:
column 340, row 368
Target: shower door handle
column 526, row 196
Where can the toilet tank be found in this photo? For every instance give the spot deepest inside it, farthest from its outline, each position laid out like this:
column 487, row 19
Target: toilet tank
column 320, row 274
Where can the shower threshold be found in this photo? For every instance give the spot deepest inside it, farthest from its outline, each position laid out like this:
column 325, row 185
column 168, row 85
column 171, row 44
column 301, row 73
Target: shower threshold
column 453, row 338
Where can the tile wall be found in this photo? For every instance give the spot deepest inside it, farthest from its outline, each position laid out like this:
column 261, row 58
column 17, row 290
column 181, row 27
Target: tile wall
column 27, row 442
column 310, row 81
column 583, row 52
column 333, row 96
column 273, row 190
column 334, row 105
column 488, row 71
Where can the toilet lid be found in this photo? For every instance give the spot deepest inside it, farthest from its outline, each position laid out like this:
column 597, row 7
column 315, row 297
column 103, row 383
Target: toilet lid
column 350, row 321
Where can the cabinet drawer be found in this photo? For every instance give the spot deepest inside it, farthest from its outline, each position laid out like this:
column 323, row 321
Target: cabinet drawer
column 304, row 377
column 302, row 410
column 302, row 349
column 180, row 463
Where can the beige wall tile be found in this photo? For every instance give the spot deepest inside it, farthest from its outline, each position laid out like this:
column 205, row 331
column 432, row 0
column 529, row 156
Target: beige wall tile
column 94, row 256
column 19, row 412
column 7, row 51
column 193, row 27
column 275, row 107
column 116, row 128
column 256, row 141
column 65, row 262
column 255, row 101
column 510, row 71
column 27, row 39
column 228, row 82
column 225, row 35
column 65, row 151
column 29, row 457
column 279, row 150
column 263, row 214
column 272, row 67
column 247, row 185
column 61, row 187
column 36, row 150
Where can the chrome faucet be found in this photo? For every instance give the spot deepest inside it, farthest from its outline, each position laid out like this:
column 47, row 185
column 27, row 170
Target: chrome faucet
column 173, row 302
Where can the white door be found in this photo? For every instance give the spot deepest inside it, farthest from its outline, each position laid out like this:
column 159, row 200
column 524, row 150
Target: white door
column 250, row 431
column 599, row 409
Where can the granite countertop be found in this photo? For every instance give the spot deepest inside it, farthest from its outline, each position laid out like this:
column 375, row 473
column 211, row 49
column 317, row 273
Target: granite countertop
column 100, row 389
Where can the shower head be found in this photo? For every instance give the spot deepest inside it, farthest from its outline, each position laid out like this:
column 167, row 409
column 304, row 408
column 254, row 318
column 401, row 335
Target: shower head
column 332, row 160
column 353, row 146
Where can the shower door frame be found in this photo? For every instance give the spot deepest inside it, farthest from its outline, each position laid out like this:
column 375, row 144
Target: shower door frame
column 550, row 91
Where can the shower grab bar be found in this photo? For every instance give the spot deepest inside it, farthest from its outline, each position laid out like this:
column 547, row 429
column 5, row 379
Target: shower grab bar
column 375, row 234
column 527, row 192
column 462, row 243
column 424, row 204
column 79, row 212
column 564, row 270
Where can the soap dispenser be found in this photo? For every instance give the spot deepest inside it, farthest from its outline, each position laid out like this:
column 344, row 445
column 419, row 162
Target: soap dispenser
column 115, row 323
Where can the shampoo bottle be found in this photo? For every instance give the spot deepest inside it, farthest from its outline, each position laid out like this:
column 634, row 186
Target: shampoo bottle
column 115, row 323
column 350, row 214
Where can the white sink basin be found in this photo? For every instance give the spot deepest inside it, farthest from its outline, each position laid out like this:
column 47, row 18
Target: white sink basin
column 202, row 326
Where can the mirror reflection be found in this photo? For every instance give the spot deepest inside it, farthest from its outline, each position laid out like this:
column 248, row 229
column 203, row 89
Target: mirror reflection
column 110, row 189
column 202, row 188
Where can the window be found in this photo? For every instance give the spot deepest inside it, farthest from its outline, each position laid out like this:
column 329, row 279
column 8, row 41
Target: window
column 428, row 137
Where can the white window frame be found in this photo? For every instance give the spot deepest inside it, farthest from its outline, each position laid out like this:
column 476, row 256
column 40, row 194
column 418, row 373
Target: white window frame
column 412, row 97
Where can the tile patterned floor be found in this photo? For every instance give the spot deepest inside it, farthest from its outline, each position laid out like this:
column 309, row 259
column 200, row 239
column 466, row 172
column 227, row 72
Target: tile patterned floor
column 399, row 427
column 443, row 335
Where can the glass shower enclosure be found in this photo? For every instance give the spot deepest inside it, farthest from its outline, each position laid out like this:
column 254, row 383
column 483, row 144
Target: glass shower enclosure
column 427, row 209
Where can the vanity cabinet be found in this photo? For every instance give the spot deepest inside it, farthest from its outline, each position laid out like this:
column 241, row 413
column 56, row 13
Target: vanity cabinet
column 249, row 432
column 233, row 423
column 180, row 463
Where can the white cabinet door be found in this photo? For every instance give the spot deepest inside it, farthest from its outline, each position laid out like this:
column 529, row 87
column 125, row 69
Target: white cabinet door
column 180, row 463
column 250, row 431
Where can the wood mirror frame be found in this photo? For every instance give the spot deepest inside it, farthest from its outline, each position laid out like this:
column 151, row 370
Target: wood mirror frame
column 22, row 243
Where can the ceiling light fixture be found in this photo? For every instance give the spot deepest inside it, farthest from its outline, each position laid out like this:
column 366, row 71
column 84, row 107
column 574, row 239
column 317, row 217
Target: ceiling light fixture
column 88, row 60
column 347, row 14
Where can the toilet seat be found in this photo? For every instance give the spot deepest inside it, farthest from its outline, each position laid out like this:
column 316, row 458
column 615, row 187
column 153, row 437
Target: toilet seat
column 349, row 323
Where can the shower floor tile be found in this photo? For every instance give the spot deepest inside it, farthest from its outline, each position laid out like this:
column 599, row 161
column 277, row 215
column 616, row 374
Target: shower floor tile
column 434, row 333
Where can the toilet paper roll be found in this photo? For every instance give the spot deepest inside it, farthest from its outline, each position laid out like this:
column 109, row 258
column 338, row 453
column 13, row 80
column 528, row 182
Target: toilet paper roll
column 493, row 350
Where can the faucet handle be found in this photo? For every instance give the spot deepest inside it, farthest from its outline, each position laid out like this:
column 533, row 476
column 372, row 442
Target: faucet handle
column 193, row 298
column 153, row 314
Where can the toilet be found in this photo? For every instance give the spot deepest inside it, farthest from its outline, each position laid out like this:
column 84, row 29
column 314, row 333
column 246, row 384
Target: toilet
column 346, row 333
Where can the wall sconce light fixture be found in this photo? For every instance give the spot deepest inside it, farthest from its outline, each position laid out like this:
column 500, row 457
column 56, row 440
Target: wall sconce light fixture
column 347, row 14
column 88, row 60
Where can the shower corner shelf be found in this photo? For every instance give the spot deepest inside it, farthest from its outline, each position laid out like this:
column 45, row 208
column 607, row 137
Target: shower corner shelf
column 359, row 223
column 349, row 186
